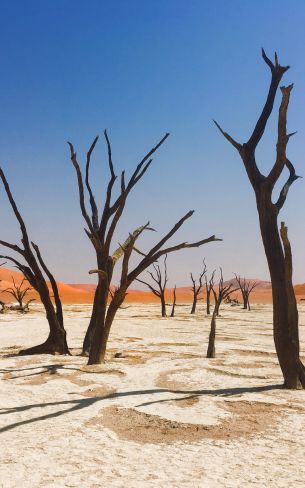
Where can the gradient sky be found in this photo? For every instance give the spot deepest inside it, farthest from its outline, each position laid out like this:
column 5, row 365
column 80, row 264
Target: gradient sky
column 71, row 68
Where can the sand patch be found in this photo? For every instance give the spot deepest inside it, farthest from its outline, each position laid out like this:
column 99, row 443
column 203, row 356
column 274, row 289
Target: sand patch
column 247, row 419
column 186, row 402
column 99, row 391
column 236, row 374
column 165, row 380
column 244, row 365
column 10, row 351
column 252, row 352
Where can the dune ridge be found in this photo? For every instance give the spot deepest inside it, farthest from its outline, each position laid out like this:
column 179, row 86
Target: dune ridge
column 84, row 292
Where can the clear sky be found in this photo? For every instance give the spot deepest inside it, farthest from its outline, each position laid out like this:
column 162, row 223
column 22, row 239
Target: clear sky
column 71, row 68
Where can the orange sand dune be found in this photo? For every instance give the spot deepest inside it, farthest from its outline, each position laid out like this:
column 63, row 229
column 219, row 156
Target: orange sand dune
column 84, row 292
column 67, row 293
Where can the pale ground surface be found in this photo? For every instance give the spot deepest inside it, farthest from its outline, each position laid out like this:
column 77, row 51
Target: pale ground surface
column 160, row 416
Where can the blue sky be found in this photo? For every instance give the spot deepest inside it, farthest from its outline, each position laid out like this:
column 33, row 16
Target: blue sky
column 71, row 68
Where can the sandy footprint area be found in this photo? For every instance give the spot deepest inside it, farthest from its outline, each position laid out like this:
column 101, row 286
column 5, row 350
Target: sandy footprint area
column 160, row 414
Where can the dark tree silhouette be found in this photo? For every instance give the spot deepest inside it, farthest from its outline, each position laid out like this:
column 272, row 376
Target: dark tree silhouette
column 208, row 289
column 197, row 288
column 285, row 313
column 33, row 271
column 246, row 288
column 3, row 307
column 221, row 294
column 101, row 231
column 100, row 228
column 161, row 280
column 174, row 302
column 19, row 293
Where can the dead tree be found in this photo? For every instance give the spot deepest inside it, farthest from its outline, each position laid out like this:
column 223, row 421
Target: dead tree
column 33, row 271
column 221, row 294
column 246, row 288
column 285, row 313
column 232, row 301
column 208, row 289
column 196, row 288
column 19, row 293
column 100, row 231
column 174, row 302
column 159, row 289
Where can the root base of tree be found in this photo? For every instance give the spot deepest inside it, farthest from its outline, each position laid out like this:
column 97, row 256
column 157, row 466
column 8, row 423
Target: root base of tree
column 47, row 347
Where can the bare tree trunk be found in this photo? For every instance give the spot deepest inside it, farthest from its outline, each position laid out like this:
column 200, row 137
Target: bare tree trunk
column 97, row 353
column 163, row 305
column 285, row 312
column 103, row 327
column 194, row 305
column 209, row 302
column 211, row 346
column 174, row 303
column 56, row 341
column 89, row 333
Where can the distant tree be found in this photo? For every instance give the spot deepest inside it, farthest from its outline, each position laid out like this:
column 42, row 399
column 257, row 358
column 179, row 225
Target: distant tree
column 101, row 231
column 232, row 301
column 219, row 295
column 161, row 280
column 197, row 288
column 33, row 271
column 246, row 288
column 276, row 244
column 19, row 293
column 174, row 302
column 208, row 289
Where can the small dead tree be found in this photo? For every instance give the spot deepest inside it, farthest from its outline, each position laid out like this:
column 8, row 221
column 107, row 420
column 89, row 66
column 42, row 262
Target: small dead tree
column 208, row 289
column 100, row 231
column 34, row 271
column 232, row 301
column 161, row 280
column 285, row 313
column 174, row 302
column 221, row 294
column 246, row 288
column 19, row 293
column 197, row 288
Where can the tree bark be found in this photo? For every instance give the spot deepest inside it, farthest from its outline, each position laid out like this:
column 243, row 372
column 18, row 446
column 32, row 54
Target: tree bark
column 285, row 312
column 211, row 345
column 209, row 302
column 194, row 305
column 56, row 342
column 163, row 305
column 174, row 303
column 89, row 333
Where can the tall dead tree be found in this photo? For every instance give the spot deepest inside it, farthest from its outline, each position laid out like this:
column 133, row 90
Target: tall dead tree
column 19, row 292
column 208, row 290
column 33, row 271
column 197, row 288
column 221, row 294
column 161, row 280
column 246, row 288
column 100, row 231
column 174, row 302
column 285, row 313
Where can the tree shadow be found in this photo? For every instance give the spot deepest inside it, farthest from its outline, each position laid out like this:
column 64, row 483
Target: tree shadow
column 43, row 369
column 82, row 403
